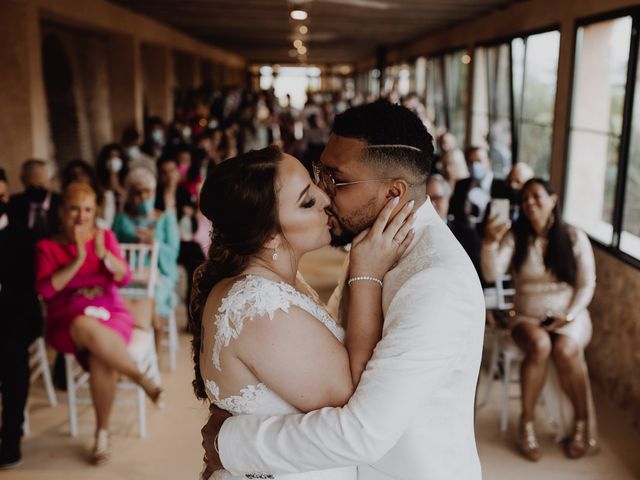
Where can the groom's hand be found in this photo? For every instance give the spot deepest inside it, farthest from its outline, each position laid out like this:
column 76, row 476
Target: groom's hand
column 210, row 432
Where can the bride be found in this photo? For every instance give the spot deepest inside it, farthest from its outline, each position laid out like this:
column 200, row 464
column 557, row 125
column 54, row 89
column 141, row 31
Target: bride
column 262, row 342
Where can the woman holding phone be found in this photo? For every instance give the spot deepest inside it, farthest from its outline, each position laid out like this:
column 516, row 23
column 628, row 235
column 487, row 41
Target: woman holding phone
column 553, row 272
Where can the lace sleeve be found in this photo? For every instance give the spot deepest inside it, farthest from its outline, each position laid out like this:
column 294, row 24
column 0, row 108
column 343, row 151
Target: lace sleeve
column 254, row 297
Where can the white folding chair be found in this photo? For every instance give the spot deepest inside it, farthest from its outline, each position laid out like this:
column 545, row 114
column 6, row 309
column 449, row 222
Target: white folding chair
column 39, row 367
column 502, row 348
column 143, row 262
column 140, row 257
column 142, row 349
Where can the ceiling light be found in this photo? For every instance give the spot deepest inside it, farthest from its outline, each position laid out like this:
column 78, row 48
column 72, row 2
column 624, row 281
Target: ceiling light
column 302, row 50
column 466, row 59
column 293, row 53
column 299, row 14
column 303, row 29
column 297, row 43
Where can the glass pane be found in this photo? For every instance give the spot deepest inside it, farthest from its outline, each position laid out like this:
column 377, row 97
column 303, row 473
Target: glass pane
column 534, row 147
column 480, row 109
column 435, row 95
column 602, row 53
column 456, row 71
column 517, row 61
column 630, row 236
column 499, row 82
column 540, row 77
column 421, row 76
column 591, row 180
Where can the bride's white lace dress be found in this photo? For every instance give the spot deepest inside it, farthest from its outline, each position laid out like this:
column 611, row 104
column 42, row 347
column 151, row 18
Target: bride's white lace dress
column 257, row 296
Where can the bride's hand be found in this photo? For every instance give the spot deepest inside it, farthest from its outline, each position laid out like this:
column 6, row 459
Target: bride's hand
column 376, row 250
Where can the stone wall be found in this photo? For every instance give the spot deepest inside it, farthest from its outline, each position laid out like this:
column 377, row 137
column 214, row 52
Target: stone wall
column 614, row 352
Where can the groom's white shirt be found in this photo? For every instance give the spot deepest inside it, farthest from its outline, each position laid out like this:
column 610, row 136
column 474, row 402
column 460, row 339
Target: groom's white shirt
column 411, row 416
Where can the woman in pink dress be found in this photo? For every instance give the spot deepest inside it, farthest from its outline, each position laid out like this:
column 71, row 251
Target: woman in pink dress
column 78, row 273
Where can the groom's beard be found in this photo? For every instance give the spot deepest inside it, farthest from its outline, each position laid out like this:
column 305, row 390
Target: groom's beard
column 343, row 234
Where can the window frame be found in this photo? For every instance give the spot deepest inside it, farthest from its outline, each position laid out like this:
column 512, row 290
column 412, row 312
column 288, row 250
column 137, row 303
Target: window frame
column 625, row 133
column 507, row 40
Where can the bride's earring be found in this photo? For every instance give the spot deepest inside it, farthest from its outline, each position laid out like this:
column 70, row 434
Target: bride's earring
column 274, row 257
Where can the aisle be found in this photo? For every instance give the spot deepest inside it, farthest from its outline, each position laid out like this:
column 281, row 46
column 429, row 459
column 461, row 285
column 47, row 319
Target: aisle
column 172, row 448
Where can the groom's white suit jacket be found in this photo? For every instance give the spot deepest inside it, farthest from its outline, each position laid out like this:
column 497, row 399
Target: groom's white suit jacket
column 411, row 416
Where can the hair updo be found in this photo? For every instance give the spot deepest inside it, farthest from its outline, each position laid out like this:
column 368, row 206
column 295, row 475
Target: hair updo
column 239, row 198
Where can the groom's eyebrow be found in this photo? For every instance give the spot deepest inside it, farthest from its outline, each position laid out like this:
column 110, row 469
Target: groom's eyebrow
column 303, row 192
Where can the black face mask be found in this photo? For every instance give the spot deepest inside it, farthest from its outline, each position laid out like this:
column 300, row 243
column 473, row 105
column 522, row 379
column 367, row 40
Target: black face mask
column 4, row 207
column 36, row 194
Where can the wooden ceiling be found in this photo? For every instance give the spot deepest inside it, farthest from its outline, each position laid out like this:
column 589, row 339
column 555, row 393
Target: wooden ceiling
column 340, row 31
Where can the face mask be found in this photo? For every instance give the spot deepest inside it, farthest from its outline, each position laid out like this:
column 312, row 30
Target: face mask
column 478, row 171
column 186, row 133
column 158, row 137
column 133, row 152
column 115, row 164
column 146, row 207
column 183, row 168
column 36, row 194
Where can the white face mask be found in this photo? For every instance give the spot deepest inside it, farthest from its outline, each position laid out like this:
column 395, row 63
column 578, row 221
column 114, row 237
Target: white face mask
column 158, row 137
column 133, row 152
column 186, row 133
column 115, row 164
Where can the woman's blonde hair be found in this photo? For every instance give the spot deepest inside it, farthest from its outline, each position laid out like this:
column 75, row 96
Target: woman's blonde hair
column 77, row 188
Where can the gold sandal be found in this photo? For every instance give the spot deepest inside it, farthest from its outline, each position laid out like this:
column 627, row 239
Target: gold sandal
column 154, row 392
column 529, row 445
column 577, row 445
column 101, row 454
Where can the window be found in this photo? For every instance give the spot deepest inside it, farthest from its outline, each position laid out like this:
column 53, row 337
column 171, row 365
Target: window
column 599, row 86
column 491, row 112
column 456, row 72
column 534, row 66
column 436, row 112
column 630, row 234
column 421, row 76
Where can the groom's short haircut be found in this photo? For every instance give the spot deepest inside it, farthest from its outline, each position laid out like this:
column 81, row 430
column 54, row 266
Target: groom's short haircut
column 395, row 137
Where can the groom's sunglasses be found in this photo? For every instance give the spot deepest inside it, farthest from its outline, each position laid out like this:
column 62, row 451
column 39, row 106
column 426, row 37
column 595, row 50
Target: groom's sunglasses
column 323, row 178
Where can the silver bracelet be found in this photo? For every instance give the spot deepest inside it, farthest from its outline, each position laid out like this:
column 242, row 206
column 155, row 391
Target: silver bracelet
column 362, row 278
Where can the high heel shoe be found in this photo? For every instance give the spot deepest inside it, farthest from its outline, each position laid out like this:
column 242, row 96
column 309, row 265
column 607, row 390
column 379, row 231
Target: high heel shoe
column 577, row 445
column 155, row 392
column 529, row 445
column 101, row 454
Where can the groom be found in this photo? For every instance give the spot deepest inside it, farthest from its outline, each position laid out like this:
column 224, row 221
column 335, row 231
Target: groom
column 411, row 416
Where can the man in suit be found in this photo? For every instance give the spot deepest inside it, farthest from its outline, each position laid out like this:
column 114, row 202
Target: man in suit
column 411, row 416
column 32, row 215
column 471, row 201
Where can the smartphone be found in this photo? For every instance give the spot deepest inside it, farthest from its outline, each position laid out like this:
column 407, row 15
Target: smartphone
column 547, row 321
column 500, row 210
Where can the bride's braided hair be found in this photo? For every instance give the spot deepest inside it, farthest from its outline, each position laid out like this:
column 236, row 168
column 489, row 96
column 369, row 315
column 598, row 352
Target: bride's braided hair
column 239, row 198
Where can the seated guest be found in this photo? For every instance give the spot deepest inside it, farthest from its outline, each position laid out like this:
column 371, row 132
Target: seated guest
column 519, row 174
column 80, row 171
column 439, row 192
column 78, row 272
column 131, row 142
column 112, row 167
column 172, row 196
column 553, row 272
column 141, row 223
column 472, row 195
column 452, row 163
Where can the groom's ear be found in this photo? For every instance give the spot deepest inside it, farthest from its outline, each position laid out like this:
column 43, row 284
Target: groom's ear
column 398, row 188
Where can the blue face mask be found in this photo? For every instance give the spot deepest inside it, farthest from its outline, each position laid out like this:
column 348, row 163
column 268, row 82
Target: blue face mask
column 478, row 171
column 146, row 207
